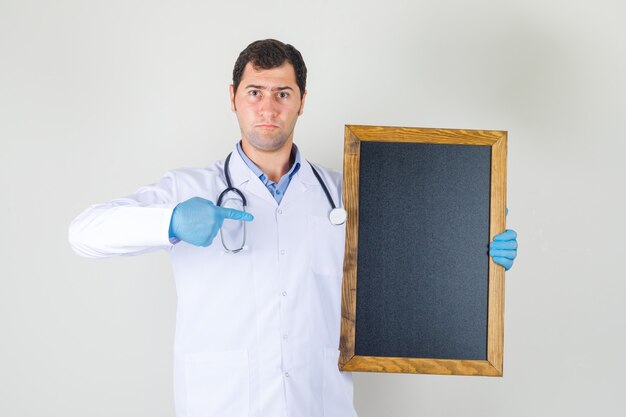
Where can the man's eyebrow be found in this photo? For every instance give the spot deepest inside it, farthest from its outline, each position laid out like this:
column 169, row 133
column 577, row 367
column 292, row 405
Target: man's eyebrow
column 260, row 87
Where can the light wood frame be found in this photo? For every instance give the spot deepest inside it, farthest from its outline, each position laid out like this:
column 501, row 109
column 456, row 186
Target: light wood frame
column 348, row 361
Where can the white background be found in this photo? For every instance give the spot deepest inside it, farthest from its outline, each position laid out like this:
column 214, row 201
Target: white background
column 98, row 98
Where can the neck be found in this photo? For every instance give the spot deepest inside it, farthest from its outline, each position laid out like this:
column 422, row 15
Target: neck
column 274, row 164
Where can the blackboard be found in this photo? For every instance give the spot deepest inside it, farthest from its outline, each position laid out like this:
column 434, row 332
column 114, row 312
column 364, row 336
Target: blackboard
column 420, row 293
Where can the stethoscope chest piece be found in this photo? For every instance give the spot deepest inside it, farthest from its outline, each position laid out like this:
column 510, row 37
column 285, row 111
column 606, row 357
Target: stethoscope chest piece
column 338, row 216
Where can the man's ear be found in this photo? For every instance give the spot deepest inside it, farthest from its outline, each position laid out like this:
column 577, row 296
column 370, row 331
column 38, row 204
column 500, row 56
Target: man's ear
column 233, row 107
column 301, row 110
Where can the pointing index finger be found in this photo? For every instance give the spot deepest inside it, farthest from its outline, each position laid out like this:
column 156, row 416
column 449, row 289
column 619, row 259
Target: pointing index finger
column 230, row 213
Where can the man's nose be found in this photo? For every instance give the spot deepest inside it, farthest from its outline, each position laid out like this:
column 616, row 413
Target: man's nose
column 268, row 106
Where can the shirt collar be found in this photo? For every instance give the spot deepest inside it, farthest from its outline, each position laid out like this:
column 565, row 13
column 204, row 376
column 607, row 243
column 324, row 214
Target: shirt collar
column 260, row 174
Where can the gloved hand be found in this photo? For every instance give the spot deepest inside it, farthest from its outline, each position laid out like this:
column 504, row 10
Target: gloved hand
column 197, row 220
column 503, row 248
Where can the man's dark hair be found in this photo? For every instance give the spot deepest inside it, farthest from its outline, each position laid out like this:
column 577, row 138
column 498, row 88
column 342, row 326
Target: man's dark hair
column 268, row 54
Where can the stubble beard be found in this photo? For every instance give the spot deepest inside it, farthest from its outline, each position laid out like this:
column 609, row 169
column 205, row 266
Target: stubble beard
column 268, row 143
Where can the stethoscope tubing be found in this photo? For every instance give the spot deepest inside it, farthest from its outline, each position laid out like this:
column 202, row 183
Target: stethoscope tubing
column 230, row 185
column 243, row 198
column 337, row 216
column 319, row 178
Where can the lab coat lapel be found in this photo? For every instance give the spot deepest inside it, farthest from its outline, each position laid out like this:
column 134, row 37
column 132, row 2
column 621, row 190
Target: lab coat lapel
column 244, row 179
column 299, row 184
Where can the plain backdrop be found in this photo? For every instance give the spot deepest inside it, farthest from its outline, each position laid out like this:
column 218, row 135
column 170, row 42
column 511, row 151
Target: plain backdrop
column 100, row 97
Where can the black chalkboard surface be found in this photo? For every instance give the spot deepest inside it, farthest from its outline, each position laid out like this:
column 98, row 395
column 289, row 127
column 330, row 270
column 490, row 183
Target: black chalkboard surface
column 423, row 257
column 420, row 292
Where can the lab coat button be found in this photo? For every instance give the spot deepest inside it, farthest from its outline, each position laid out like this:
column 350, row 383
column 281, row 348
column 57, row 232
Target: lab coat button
column 280, row 211
column 286, row 374
column 282, row 252
column 284, row 293
column 285, row 336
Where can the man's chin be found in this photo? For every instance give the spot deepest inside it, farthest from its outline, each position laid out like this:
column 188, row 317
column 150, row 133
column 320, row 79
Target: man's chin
column 266, row 143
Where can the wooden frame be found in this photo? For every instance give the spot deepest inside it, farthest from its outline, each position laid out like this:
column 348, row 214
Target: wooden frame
column 348, row 361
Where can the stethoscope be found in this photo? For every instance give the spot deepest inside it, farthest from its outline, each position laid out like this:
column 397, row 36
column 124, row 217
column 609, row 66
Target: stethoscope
column 337, row 215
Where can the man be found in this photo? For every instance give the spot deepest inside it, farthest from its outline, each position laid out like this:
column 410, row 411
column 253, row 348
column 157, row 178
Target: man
column 258, row 313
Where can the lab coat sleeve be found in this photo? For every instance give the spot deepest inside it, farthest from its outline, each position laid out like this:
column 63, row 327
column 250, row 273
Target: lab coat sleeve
column 131, row 225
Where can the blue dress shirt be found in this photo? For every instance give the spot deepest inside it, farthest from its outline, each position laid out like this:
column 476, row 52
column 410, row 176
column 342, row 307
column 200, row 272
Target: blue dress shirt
column 276, row 189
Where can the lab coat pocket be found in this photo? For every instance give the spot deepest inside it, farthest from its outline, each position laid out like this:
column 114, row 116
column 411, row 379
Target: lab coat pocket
column 217, row 384
column 326, row 246
column 337, row 387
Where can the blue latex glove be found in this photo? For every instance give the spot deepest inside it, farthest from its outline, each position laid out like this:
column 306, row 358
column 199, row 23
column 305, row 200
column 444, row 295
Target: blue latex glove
column 197, row 220
column 503, row 249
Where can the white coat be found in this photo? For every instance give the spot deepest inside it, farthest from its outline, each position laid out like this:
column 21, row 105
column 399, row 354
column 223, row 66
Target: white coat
column 256, row 332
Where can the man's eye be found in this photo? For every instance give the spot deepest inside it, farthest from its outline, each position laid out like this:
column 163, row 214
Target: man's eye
column 254, row 93
column 283, row 94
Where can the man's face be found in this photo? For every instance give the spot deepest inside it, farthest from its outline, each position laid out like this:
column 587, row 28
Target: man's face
column 267, row 104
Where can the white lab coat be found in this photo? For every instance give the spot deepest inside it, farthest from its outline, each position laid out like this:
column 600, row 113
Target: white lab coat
column 256, row 332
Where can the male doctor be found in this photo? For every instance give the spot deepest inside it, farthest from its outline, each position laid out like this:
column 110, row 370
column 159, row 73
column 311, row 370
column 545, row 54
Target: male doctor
column 258, row 312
